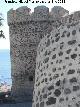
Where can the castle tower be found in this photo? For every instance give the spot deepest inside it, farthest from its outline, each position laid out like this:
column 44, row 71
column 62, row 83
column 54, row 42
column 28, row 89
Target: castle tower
column 57, row 74
column 26, row 30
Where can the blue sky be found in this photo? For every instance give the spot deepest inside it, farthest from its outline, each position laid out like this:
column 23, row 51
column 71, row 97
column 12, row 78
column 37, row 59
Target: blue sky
column 71, row 5
column 5, row 66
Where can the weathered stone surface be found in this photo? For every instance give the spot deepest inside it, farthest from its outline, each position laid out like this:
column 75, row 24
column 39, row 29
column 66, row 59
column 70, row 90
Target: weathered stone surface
column 51, row 101
column 57, row 92
column 63, row 71
column 45, row 48
column 67, row 91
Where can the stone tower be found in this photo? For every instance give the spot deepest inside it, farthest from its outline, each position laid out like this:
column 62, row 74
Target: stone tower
column 57, row 74
column 26, row 30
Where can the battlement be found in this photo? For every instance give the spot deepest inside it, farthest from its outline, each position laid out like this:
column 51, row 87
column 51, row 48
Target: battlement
column 71, row 18
column 41, row 13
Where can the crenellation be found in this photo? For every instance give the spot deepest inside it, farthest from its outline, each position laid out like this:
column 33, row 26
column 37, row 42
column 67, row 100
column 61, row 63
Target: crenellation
column 57, row 12
column 41, row 13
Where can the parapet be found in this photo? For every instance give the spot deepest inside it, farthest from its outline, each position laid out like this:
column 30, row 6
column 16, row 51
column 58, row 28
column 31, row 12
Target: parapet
column 19, row 15
column 58, row 11
column 41, row 13
column 71, row 19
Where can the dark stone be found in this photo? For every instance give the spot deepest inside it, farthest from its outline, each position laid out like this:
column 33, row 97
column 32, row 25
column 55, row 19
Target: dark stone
column 50, row 87
column 58, row 83
column 46, row 59
column 75, row 88
column 64, row 67
column 50, row 78
column 78, row 71
column 37, row 105
column 43, row 90
column 73, row 80
column 71, row 42
column 66, row 57
column 55, row 76
column 56, row 35
column 38, row 93
column 79, row 45
column 45, row 53
column 62, row 43
column 66, row 98
column 70, row 64
column 54, row 56
column 53, row 41
column 68, row 26
column 60, row 61
column 36, row 98
column 40, row 97
column 68, row 34
column 69, row 105
column 64, row 80
column 62, row 74
column 48, row 35
column 63, row 35
column 59, row 68
column 67, row 91
column 57, row 92
column 73, row 32
column 71, row 71
column 42, row 104
column 38, row 83
column 51, row 101
column 76, row 49
column 48, row 43
column 45, row 96
column 70, row 19
column 47, row 66
column 54, row 49
column 68, row 51
column 61, row 46
column 45, row 79
column 57, row 39
column 41, row 50
column 77, row 105
column 42, row 81
column 49, row 93
column 51, row 62
column 53, row 69
column 60, row 53
column 49, row 52
column 61, row 100
column 56, row 61
column 73, row 56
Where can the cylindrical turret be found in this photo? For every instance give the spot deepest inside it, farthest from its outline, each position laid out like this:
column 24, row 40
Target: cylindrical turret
column 57, row 74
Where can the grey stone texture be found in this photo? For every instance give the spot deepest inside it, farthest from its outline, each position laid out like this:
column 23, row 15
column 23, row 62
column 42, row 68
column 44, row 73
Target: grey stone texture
column 37, row 67
column 57, row 73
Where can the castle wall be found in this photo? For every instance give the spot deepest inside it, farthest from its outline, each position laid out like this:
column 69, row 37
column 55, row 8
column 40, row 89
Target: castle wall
column 26, row 30
column 57, row 74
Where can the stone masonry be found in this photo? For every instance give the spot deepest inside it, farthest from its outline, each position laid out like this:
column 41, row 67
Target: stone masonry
column 26, row 30
column 57, row 74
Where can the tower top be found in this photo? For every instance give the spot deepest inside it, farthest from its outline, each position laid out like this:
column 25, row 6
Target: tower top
column 41, row 13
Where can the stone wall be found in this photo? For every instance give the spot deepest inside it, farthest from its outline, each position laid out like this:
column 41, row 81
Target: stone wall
column 57, row 74
column 26, row 30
